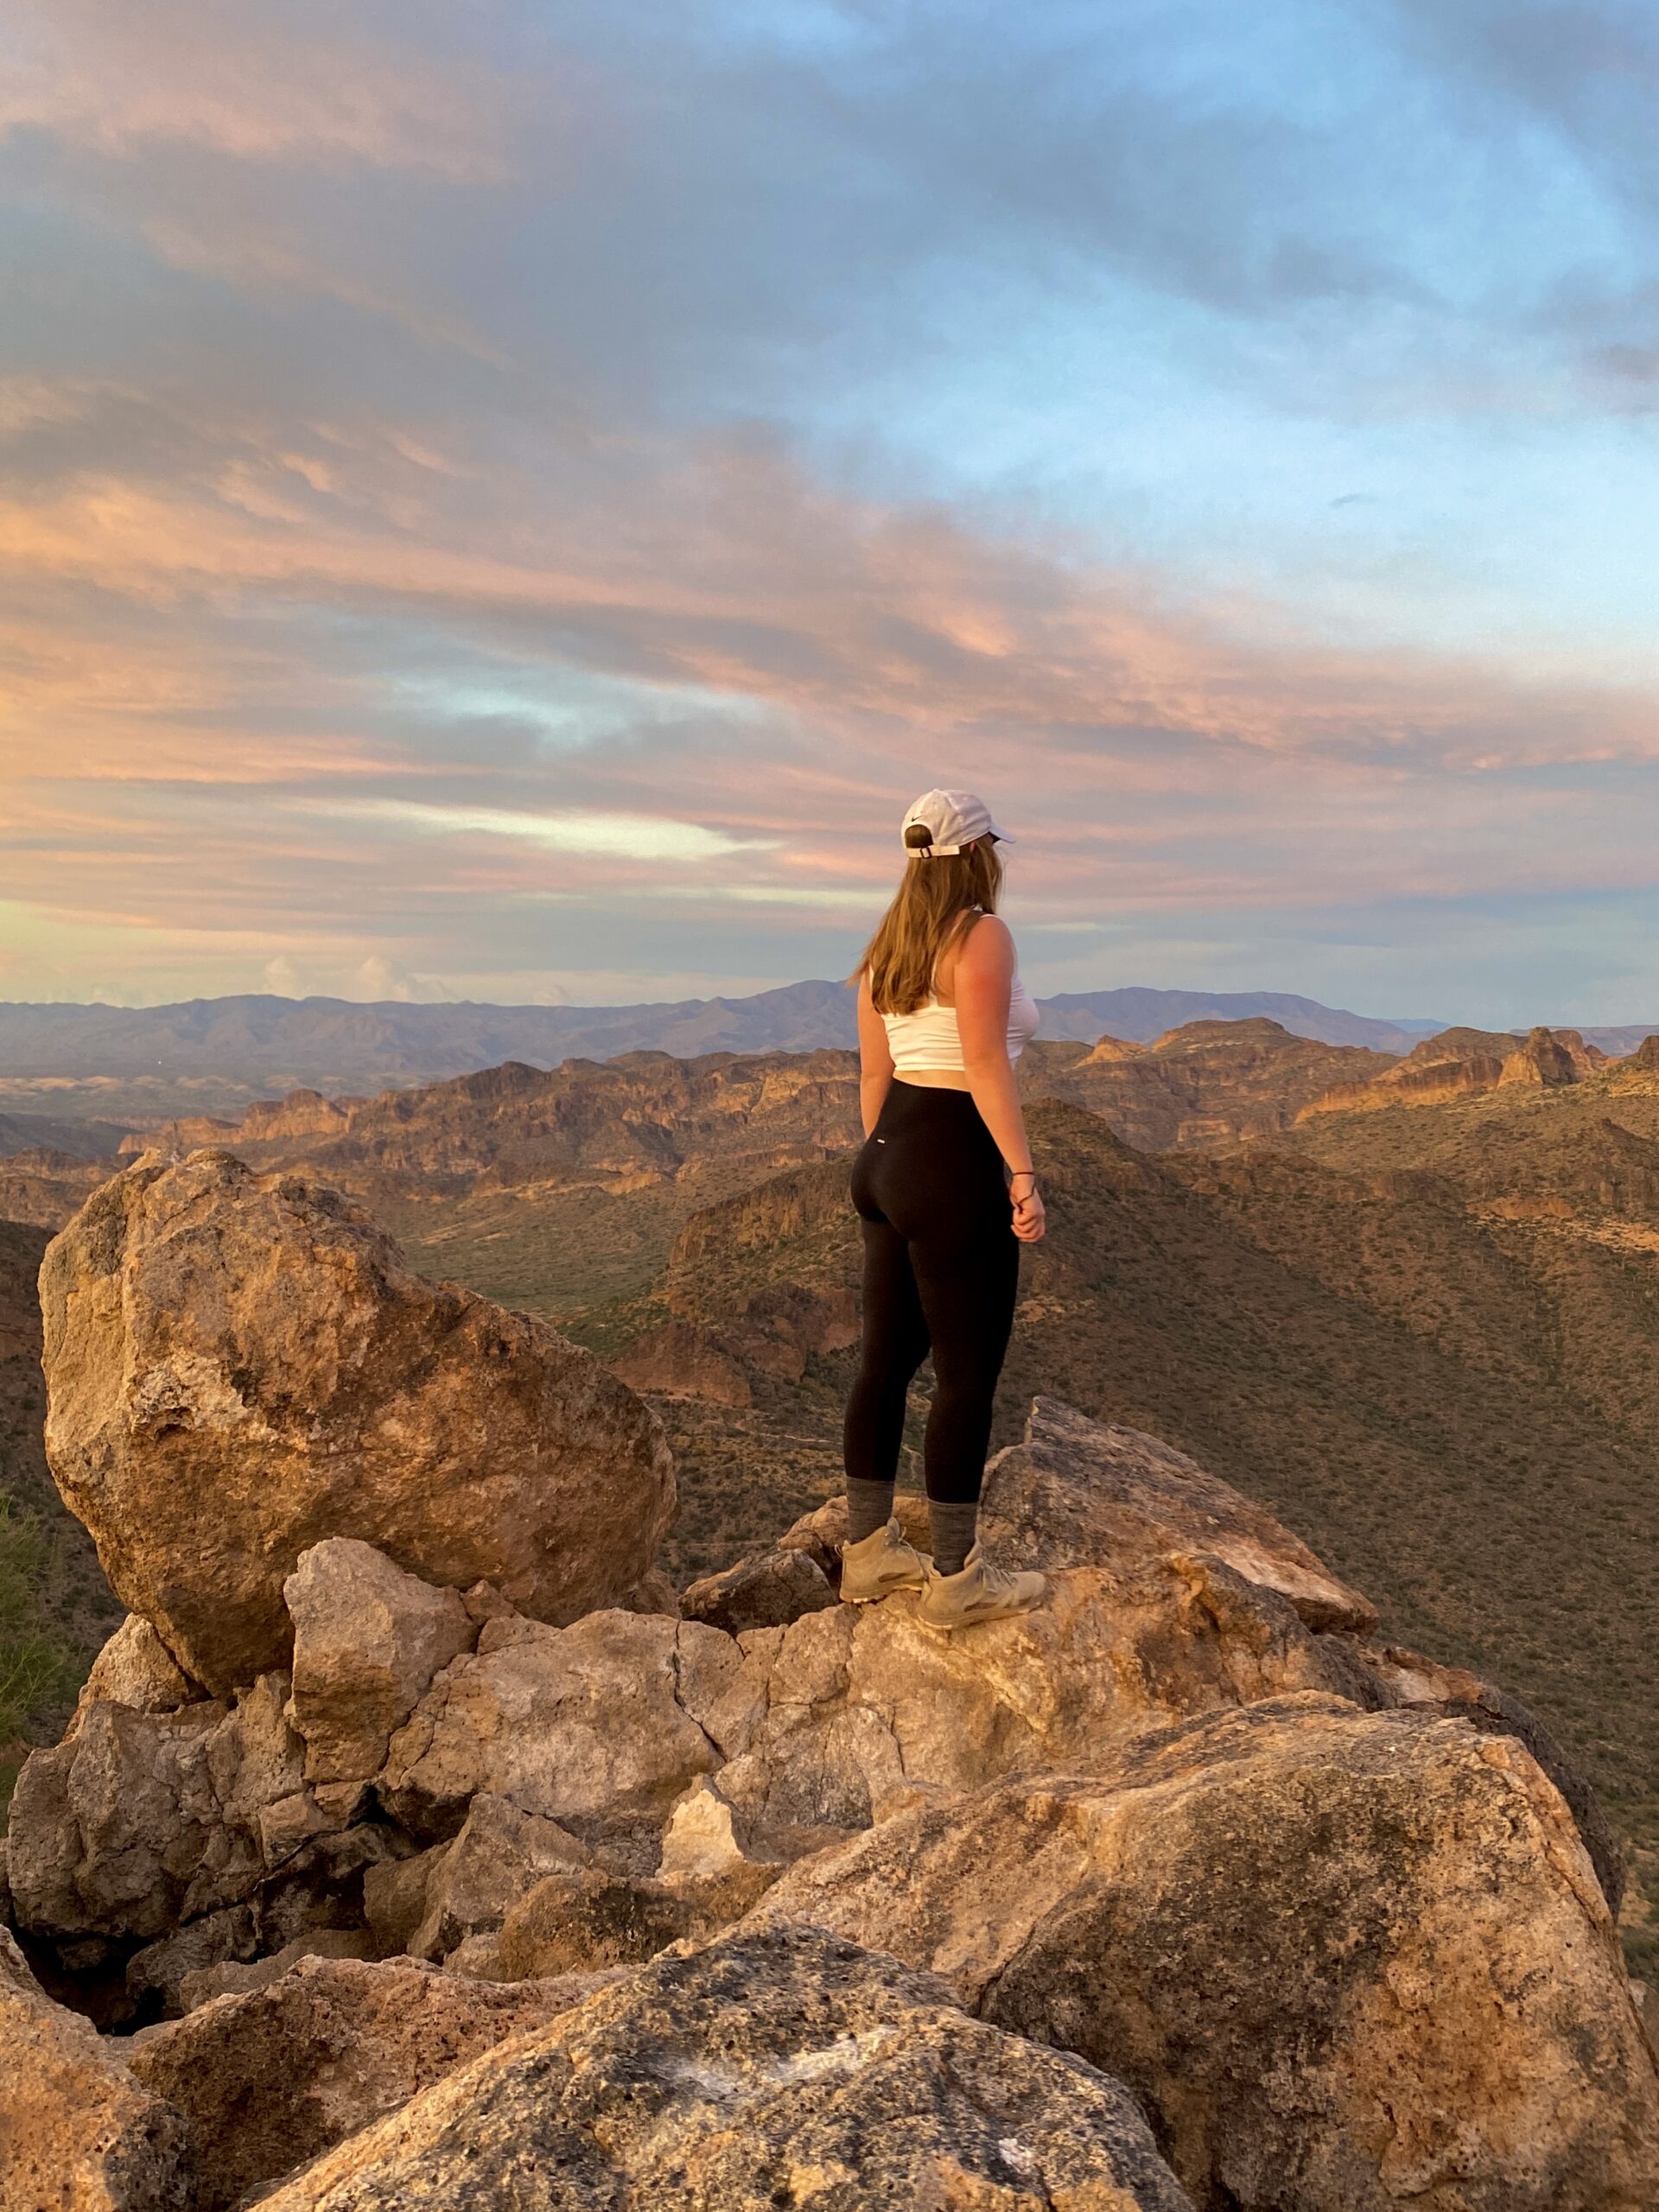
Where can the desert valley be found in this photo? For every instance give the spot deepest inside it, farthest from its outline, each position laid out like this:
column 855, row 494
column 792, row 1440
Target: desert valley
column 1403, row 1304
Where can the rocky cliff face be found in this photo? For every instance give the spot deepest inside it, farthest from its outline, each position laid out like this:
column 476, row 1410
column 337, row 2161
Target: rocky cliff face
column 1209, row 1083
column 1180, row 1891
column 1463, row 1063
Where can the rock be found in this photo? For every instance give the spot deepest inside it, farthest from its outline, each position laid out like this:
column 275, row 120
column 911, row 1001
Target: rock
column 499, row 1855
column 774, row 2069
column 367, row 1640
column 394, row 1897
column 678, row 1360
column 592, row 1917
column 768, row 1590
column 828, row 1717
column 699, row 1838
column 142, row 1820
column 1077, row 1492
column 592, row 1726
column 822, row 1534
column 190, row 1835
column 77, row 2130
column 702, row 1862
column 135, row 1669
column 158, row 1975
column 1343, row 1958
column 603, row 1725
column 238, row 1979
column 240, row 1365
column 652, row 1594
column 1549, row 1058
column 315, row 1897
column 273, row 2076
column 1409, row 1679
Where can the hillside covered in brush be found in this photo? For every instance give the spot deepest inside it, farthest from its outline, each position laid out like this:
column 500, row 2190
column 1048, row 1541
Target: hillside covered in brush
column 1461, row 1409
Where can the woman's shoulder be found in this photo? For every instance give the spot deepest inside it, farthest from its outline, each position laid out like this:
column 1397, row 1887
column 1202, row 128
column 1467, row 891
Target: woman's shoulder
column 985, row 937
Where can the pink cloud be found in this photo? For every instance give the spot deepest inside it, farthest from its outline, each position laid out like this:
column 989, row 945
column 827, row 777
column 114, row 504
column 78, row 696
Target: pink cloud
column 299, row 84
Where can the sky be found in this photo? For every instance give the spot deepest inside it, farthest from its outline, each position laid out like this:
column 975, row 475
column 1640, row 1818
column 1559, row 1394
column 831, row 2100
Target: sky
column 511, row 501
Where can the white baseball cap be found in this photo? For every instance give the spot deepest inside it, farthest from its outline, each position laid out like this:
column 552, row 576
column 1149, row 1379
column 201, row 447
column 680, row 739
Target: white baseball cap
column 954, row 818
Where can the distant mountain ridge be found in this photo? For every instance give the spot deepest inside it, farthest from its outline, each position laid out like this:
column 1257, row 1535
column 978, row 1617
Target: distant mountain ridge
column 339, row 1044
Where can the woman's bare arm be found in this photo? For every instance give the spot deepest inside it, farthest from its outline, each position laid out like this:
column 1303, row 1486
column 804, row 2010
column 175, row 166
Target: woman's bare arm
column 981, row 986
column 875, row 1058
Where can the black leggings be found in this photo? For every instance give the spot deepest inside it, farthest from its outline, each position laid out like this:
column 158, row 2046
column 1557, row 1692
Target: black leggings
column 941, row 1271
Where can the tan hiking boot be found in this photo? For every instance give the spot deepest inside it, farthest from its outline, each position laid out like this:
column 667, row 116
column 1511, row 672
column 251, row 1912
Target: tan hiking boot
column 880, row 1564
column 980, row 1592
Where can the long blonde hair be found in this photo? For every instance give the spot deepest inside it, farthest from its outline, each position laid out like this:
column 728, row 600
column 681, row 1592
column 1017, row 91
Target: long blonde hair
column 933, row 904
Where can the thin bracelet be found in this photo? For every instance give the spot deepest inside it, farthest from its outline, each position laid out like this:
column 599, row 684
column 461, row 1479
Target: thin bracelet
column 1031, row 1171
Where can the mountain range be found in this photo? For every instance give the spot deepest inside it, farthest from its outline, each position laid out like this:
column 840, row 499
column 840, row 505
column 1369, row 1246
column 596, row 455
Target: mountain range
column 214, row 1055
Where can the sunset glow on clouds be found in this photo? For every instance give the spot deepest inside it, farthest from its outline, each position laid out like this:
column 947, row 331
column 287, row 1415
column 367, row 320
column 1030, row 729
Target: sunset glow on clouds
column 511, row 501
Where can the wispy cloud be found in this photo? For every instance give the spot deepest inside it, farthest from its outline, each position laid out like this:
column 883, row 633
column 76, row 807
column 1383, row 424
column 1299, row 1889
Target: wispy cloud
column 633, row 837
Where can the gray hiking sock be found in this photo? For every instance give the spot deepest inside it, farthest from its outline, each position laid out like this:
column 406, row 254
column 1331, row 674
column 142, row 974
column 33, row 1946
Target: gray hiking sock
column 951, row 1527
column 869, row 1507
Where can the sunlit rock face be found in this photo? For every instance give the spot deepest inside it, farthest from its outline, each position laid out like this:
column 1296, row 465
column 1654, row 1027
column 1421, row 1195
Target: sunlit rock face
column 240, row 1365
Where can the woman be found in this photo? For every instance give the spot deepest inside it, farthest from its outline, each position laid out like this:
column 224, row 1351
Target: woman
column 946, row 1192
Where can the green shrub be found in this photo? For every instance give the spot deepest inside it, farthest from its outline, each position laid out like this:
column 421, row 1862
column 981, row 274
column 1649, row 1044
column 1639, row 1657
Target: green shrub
column 40, row 1668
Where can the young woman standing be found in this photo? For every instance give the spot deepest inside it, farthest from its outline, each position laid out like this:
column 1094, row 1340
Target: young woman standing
column 946, row 1193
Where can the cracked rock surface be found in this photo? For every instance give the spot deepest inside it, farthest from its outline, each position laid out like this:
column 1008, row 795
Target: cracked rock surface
column 778, row 2067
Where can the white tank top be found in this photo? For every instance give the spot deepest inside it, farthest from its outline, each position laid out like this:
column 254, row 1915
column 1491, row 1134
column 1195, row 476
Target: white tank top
column 931, row 1039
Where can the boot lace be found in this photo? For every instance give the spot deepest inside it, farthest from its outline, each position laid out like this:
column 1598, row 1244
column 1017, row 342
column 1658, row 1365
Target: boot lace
column 998, row 1580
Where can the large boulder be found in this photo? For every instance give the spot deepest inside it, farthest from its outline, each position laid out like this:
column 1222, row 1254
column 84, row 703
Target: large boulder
column 78, row 2132
column 1343, row 1959
column 274, row 2076
column 240, row 1365
column 1077, row 1492
column 774, row 2069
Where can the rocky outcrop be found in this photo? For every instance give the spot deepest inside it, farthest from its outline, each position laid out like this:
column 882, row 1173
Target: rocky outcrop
column 1206, row 1082
column 602, row 1725
column 1462, row 1063
column 77, row 2129
column 1551, row 1057
column 781, row 2068
column 135, row 1669
column 1343, row 1958
column 1079, row 1492
column 767, row 1592
column 678, row 1360
column 272, row 2077
column 241, row 1365
column 599, row 1726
